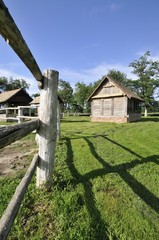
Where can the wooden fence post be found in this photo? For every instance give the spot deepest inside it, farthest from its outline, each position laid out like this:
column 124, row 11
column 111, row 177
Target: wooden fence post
column 7, row 113
column 30, row 111
column 47, row 132
column 11, row 211
column 58, row 120
column 20, row 113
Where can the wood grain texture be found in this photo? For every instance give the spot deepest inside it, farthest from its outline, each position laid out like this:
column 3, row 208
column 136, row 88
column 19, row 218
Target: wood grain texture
column 58, row 120
column 47, row 132
column 12, row 133
column 12, row 209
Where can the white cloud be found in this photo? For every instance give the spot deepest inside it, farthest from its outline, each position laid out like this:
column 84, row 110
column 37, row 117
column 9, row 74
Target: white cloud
column 96, row 10
column 155, row 58
column 93, row 74
column 115, row 7
column 73, row 76
column 104, row 8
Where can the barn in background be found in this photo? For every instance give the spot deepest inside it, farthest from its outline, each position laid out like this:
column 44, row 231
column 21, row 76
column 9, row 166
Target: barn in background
column 111, row 101
column 14, row 98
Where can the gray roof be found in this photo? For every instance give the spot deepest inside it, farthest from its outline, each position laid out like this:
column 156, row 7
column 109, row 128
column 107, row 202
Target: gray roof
column 129, row 93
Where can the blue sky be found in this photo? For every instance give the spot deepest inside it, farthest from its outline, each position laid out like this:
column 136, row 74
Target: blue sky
column 82, row 39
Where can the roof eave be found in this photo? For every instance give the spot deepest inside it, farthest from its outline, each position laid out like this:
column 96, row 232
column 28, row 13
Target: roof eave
column 103, row 78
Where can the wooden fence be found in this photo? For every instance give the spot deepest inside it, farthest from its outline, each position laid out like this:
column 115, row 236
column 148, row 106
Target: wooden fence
column 18, row 113
column 46, row 124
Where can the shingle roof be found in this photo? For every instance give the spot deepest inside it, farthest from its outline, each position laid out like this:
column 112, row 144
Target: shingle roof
column 129, row 93
column 5, row 96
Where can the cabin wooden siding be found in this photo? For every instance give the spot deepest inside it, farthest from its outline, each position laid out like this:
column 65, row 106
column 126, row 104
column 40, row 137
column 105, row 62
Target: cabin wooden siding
column 110, row 103
column 107, row 89
column 116, row 106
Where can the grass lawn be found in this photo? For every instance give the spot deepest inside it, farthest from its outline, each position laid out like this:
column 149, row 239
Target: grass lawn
column 105, row 185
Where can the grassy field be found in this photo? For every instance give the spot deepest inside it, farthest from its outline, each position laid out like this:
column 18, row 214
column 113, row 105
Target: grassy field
column 105, row 185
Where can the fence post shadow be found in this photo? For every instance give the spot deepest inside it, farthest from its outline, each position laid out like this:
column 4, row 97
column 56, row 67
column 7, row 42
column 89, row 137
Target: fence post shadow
column 137, row 187
column 97, row 225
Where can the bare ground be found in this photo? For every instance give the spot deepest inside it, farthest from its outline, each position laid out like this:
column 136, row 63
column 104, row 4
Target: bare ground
column 16, row 156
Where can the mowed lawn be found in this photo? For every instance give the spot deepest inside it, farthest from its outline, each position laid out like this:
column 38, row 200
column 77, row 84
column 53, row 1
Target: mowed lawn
column 105, row 185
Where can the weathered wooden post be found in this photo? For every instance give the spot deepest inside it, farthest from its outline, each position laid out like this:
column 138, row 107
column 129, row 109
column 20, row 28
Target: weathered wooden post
column 20, row 113
column 58, row 119
column 30, row 111
column 15, row 113
column 7, row 114
column 47, row 132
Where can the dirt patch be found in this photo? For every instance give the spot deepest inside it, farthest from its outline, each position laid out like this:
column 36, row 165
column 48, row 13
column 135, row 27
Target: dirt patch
column 16, row 156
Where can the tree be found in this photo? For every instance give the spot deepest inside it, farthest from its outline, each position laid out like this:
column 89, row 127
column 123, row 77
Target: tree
column 7, row 84
column 35, row 95
column 95, row 84
column 82, row 92
column 122, row 78
column 119, row 76
column 147, row 72
column 65, row 91
column 17, row 83
column 3, row 84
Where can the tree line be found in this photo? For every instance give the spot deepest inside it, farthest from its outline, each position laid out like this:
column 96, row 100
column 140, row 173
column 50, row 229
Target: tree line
column 146, row 86
column 8, row 84
column 75, row 100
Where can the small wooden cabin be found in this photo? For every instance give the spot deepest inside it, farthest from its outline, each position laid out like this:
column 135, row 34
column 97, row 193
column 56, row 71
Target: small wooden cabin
column 111, row 101
column 14, row 98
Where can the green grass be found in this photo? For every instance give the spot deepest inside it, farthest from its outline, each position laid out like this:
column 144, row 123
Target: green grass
column 105, row 185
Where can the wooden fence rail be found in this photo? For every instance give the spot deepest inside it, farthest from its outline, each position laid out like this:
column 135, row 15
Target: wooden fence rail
column 15, row 108
column 17, row 113
column 11, row 33
column 46, row 124
column 11, row 133
column 11, row 211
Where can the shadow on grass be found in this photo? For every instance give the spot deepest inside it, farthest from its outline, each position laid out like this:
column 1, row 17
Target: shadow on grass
column 99, row 226
column 149, row 119
column 138, row 188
